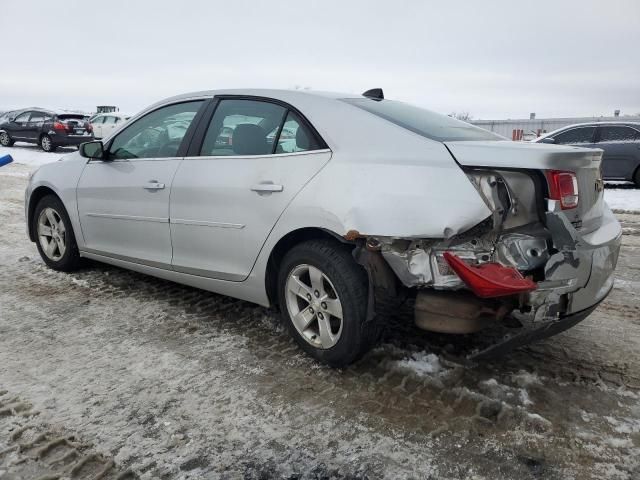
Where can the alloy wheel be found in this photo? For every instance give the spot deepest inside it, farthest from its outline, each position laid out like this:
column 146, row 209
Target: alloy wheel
column 4, row 139
column 314, row 306
column 52, row 234
column 45, row 143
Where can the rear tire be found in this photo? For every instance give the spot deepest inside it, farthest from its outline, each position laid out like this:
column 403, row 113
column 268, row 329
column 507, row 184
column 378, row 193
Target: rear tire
column 5, row 140
column 55, row 239
column 47, row 144
column 636, row 177
column 319, row 282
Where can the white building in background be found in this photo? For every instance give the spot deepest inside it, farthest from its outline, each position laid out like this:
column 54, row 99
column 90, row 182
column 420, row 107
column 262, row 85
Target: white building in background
column 528, row 129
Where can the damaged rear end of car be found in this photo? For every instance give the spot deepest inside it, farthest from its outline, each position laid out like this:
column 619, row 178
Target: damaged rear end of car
column 539, row 263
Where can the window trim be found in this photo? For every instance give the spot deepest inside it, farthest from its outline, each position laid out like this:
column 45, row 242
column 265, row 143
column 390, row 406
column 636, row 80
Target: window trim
column 593, row 135
column 199, row 135
column 186, row 140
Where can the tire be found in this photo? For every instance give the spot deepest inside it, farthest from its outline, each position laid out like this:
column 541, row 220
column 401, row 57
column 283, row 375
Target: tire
column 47, row 144
column 48, row 211
column 5, row 140
column 341, row 279
column 636, row 177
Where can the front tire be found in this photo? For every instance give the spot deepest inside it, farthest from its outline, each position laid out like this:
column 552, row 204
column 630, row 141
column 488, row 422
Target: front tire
column 47, row 144
column 55, row 239
column 5, row 140
column 636, row 177
column 323, row 299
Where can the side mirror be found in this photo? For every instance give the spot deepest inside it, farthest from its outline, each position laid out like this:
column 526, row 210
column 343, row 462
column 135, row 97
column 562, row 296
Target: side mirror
column 93, row 150
column 548, row 140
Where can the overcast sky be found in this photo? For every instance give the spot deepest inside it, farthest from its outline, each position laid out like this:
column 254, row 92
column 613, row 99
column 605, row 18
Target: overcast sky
column 494, row 59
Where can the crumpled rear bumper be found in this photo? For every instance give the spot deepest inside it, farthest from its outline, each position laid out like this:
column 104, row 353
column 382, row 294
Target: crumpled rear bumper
column 580, row 274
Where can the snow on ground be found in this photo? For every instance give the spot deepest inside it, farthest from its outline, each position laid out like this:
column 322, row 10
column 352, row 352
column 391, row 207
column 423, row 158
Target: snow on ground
column 29, row 154
column 621, row 197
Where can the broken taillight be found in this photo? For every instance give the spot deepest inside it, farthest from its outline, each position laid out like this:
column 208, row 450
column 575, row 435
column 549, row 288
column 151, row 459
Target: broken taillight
column 490, row 280
column 563, row 186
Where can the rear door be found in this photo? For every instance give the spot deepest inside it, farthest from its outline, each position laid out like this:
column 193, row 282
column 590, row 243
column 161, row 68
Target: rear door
column 240, row 176
column 34, row 126
column 123, row 202
column 621, row 145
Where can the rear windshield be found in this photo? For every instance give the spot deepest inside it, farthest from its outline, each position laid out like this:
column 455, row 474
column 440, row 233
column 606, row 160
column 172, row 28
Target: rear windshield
column 423, row 122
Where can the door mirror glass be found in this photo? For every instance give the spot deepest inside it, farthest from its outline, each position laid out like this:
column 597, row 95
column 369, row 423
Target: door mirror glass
column 548, row 140
column 93, row 150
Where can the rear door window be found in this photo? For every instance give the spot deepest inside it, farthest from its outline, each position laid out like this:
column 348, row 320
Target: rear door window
column 618, row 134
column 242, row 127
column 109, row 120
column 98, row 120
column 37, row 117
column 575, row 136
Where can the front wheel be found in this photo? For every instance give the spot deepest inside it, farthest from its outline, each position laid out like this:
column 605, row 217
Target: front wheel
column 323, row 299
column 5, row 140
column 47, row 144
column 54, row 235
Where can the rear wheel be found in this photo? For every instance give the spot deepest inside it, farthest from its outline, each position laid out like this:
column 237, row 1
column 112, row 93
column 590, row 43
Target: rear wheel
column 54, row 235
column 323, row 298
column 5, row 140
column 47, row 144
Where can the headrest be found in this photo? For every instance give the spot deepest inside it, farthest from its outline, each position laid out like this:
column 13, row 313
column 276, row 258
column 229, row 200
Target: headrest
column 302, row 139
column 249, row 139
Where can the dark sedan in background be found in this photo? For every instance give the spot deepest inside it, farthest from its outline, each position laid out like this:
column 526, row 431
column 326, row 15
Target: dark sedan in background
column 44, row 127
column 619, row 140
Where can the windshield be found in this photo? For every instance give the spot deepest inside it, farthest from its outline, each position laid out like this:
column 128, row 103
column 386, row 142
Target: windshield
column 423, row 122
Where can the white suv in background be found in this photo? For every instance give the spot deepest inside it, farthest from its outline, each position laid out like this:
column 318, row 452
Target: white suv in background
column 105, row 123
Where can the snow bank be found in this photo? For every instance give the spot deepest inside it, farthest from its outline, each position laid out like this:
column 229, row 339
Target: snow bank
column 623, row 198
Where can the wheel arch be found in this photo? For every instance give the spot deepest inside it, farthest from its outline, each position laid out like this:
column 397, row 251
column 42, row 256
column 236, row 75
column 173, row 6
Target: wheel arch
column 286, row 243
column 37, row 195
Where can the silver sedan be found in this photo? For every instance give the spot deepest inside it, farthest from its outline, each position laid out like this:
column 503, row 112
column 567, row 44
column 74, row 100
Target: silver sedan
column 335, row 209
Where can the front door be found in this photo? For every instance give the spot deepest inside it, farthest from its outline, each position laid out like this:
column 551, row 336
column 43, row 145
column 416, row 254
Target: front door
column 254, row 159
column 123, row 201
column 20, row 126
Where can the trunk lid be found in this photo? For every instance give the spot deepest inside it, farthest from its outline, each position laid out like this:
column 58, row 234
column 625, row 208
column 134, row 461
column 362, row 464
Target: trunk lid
column 584, row 162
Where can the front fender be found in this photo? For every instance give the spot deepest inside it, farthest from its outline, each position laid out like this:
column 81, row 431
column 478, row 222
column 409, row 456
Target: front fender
column 61, row 178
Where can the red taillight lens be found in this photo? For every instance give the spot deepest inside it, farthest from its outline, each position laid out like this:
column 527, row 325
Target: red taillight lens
column 490, row 280
column 59, row 127
column 563, row 186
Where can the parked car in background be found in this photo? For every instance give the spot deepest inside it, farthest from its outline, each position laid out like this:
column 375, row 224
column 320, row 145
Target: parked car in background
column 46, row 128
column 103, row 124
column 356, row 205
column 619, row 140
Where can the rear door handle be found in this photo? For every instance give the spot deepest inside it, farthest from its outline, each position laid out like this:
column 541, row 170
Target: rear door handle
column 267, row 188
column 154, row 185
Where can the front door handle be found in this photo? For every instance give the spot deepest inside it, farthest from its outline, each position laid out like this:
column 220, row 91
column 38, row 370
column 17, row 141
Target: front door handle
column 267, row 188
column 154, row 185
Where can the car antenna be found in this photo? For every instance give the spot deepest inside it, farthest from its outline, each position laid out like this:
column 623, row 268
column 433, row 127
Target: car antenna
column 374, row 93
